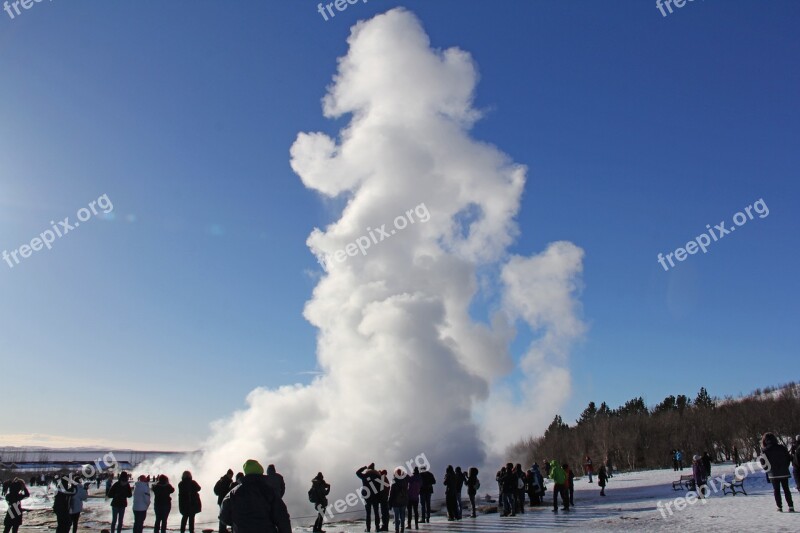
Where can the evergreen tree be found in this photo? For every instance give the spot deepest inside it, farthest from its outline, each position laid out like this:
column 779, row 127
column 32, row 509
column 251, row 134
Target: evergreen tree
column 703, row 400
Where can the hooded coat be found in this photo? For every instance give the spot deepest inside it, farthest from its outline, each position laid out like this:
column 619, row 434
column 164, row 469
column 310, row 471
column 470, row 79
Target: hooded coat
column 557, row 473
column 253, row 507
column 777, row 458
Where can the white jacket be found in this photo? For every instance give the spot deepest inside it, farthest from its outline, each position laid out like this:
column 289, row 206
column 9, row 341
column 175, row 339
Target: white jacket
column 141, row 496
column 76, row 503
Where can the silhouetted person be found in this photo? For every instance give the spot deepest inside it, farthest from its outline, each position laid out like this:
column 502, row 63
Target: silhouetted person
column 414, row 487
column 275, row 480
column 221, row 488
column 451, row 493
column 162, row 503
column 425, row 493
column 16, row 492
column 398, row 499
column 189, row 503
column 370, row 490
column 777, row 466
column 119, row 494
column 473, row 484
column 319, row 496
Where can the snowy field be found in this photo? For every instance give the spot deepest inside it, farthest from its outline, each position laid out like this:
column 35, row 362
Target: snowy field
column 630, row 504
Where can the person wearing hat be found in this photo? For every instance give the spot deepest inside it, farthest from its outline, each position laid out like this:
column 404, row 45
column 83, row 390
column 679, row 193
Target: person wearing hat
column 141, row 503
column 252, row 506
column 221, row 489
column 318, row 495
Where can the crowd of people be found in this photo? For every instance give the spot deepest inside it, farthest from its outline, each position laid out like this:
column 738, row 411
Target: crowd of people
column 252, row 500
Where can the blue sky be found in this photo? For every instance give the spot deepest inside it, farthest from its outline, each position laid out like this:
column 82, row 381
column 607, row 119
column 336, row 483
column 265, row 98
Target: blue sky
column 638, row 130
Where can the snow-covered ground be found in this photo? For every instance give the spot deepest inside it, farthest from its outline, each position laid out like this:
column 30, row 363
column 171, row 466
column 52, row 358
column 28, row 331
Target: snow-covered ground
column 630, row 504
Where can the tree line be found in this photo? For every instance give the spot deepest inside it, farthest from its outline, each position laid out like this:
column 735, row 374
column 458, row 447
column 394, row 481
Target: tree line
column 635, row 436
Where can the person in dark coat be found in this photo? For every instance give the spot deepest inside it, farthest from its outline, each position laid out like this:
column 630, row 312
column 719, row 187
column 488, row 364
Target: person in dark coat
column 460, row 480
column 319, row 493
column 398, row 499
column 414, row 487
column 602, row 478
column 500, row 478
column 425, row 493
column 520, row 493
column 700, row 476
column 473, row 484
column 119, row 493
column 15, row 493
column 370, row 490
column 275, row 480
column 510, row 484
column 189, row 503
column 162, row 503
column 776, row 459
column 253, row 507
column 570, row 484
column 794, row 451
column 450, row 493
column 221, row 489
column 383, row 499
column 61, row 505
column 707, row 463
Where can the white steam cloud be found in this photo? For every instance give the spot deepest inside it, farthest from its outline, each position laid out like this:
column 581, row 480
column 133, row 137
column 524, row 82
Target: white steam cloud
column 405, row 369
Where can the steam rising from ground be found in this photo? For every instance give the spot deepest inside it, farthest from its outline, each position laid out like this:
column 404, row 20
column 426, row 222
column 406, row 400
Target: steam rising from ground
column 405, row 369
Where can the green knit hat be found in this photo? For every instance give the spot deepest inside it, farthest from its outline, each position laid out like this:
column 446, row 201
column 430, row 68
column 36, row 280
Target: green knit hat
column 251, row 466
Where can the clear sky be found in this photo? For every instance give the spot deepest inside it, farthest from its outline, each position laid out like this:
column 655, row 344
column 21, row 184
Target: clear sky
column 144, row 325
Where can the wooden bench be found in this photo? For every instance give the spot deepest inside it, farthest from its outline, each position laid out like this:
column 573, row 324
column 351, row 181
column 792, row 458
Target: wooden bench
column 737, row 483
column 685, row 482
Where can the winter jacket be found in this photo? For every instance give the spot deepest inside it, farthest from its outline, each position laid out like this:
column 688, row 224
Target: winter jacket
column 473, row 484
column 253, row 507
column 222, row 487
column 570, row 478
column 119, row 494
column 460, row 478
column 17, row 491
column 450, row 482
column 557, row 473
column 428, row 481
column 141, row 496
column 63, row 499
column 320, row 489
column 602, row 477
column 398, row 494
column 706, row 460
column 414, row 487
column 588, row 466
column 189, row 497
column 275, row 480
column 699, row 473
column 370, row 479
column 161, row 494
column 777, row 461
column 77, row 500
